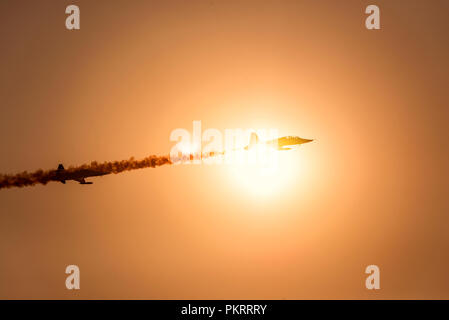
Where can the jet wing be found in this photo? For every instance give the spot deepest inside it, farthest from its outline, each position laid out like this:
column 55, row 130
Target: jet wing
column 82, row 181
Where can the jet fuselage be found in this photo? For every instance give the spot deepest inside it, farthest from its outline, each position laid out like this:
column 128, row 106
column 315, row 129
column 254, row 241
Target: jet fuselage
column 282, row 143
column 77, row 175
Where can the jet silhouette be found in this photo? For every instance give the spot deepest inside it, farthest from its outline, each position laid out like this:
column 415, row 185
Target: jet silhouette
column 78, row 175
column 280, row 143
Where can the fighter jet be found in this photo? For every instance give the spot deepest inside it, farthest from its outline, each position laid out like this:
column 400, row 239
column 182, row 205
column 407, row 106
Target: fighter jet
column 78, row 175
column 283, row 143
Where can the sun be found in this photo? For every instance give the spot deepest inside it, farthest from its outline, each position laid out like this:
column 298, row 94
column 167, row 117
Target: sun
column 265, row 172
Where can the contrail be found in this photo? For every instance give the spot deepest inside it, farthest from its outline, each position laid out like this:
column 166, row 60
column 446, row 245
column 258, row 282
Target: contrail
column 25, row 178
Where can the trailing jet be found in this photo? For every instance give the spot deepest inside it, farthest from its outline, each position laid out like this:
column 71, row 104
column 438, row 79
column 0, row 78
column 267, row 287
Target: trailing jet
column 283, row 143
column 78, row 174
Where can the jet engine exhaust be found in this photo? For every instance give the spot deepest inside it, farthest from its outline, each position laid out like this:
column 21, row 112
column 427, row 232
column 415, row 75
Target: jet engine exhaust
column 78, row 173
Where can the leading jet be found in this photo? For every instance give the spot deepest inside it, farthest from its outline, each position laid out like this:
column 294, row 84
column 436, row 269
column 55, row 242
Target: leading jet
column 283, row 143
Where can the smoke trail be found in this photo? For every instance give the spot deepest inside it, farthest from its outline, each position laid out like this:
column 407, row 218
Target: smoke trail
column 43, row 177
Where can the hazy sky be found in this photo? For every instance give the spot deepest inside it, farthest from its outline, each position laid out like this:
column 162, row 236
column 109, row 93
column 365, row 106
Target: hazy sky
column 371, row 189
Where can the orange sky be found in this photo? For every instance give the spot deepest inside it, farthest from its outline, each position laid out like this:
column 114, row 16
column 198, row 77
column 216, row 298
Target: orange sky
column 371, row 189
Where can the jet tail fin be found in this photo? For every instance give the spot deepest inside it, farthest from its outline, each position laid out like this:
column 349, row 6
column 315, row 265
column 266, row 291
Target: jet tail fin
column 253, row 140
column 60, row 167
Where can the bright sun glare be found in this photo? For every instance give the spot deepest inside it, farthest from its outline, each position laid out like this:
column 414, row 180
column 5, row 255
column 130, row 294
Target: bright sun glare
column 261, row 171
column 272, row 173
